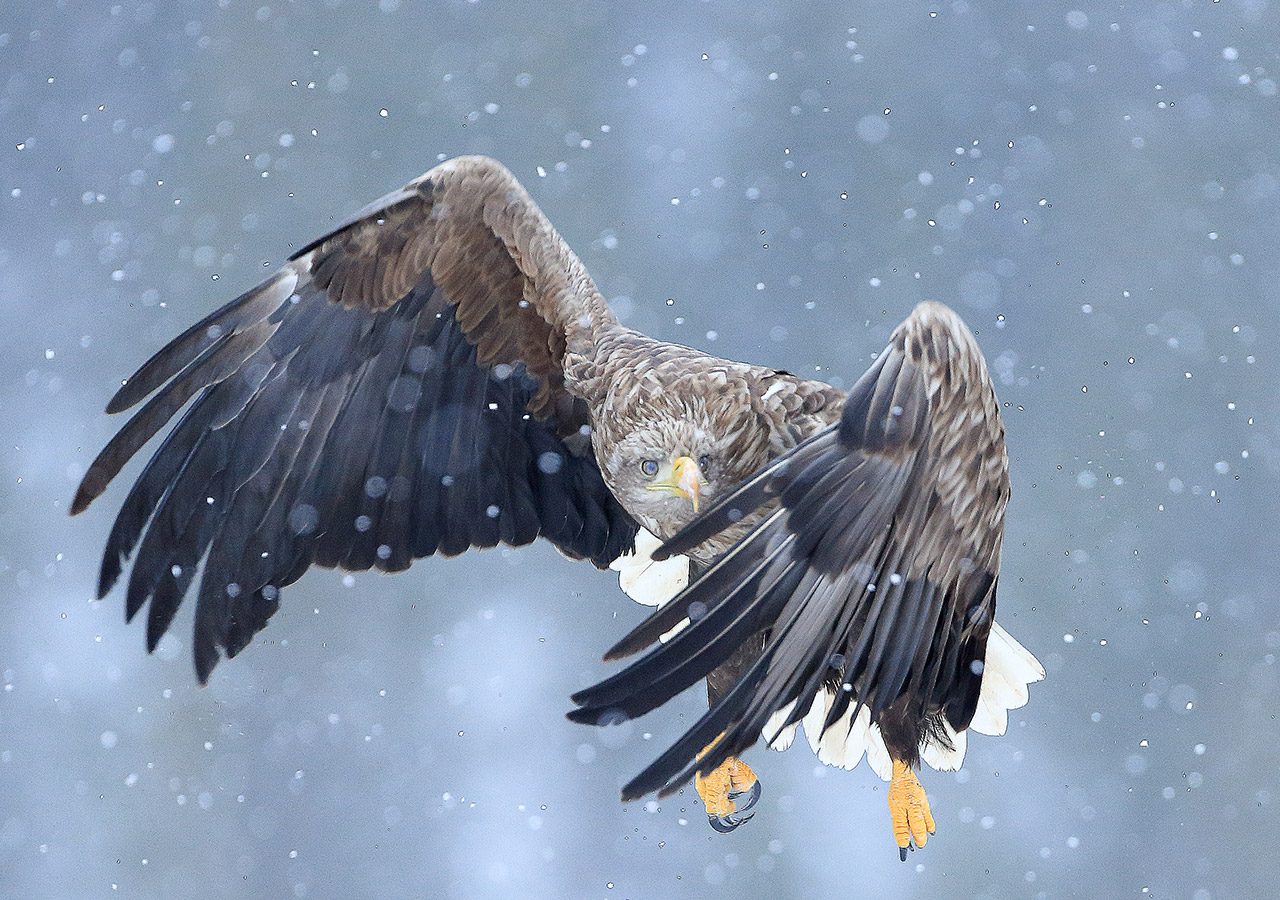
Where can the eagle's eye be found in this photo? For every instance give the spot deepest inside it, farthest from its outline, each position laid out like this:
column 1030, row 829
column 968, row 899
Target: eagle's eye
column 703, row 462
column 649, row 467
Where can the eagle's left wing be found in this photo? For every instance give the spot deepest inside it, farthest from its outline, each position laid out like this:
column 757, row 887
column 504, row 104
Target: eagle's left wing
column 875, row 572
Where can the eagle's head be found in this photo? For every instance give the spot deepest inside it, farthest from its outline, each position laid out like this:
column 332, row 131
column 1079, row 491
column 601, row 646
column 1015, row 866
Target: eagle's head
column 667, row 451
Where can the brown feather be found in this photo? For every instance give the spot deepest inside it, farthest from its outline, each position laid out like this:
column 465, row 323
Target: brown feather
column 862, row 561
column 445, row 341
column 427, row 337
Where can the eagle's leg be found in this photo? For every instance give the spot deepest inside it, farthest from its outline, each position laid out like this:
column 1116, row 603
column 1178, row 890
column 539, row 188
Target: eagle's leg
column 731, row 791
column 909, row 812
column 908, row 809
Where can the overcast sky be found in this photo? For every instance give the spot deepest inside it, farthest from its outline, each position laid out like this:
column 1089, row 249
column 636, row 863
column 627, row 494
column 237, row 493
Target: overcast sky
column 1095, row 188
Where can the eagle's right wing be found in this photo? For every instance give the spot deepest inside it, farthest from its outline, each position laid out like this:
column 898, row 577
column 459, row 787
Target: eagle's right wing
column 394, row 391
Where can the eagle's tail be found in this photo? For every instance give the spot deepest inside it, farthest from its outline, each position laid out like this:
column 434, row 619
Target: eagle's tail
column 1010, row 669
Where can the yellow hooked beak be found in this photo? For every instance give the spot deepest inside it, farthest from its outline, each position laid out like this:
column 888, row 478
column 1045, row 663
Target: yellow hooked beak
column 681, row 477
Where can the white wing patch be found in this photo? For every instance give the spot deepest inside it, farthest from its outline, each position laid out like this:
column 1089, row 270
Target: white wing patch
column 648, row 582
column 1009, row 670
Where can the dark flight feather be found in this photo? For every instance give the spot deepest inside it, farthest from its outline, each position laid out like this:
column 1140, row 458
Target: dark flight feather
column 873, row 575
column 389, row 394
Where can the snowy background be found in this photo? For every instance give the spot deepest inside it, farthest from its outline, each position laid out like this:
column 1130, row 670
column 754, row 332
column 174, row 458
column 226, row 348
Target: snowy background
column 1095, row 186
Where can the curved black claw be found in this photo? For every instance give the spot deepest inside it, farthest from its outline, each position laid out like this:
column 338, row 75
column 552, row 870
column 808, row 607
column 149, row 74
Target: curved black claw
column 753, row 797
column 744, row 809
column 902, row 851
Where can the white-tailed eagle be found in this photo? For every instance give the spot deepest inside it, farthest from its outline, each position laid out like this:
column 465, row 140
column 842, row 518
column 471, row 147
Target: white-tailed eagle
column 440, row 373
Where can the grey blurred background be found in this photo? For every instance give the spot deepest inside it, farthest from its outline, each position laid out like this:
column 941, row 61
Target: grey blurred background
column 1095, row 186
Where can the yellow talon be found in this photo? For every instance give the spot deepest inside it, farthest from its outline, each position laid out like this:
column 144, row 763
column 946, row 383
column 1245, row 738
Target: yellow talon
column 728, row 793
column 908, row 809
column 714, row 789
column 741, row 778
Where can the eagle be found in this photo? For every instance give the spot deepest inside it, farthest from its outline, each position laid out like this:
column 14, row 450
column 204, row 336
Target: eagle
column 439, row 372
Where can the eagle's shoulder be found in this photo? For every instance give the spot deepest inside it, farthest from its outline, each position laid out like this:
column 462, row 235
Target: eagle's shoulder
column 791, row 407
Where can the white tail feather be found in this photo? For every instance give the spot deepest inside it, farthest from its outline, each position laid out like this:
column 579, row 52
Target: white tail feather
column 780, row 738
column 989, row 718
column 939, row 757
column 1009, row 669
column 843, row 743
column 1018, row 662
column 878, row 755
column 847, row 740
column 814, row 718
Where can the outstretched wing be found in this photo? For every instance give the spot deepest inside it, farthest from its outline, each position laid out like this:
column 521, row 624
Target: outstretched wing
column 395, row 390
column 874, row 571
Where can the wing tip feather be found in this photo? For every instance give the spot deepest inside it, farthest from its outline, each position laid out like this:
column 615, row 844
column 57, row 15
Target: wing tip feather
column 122, row 399
column 618, row 651
column 84, row 496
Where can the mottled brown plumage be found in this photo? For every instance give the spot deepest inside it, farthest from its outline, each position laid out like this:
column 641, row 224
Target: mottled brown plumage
column 440, row 372
column 437, row 373
column 869, row 573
